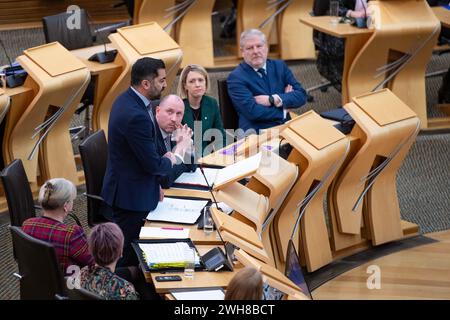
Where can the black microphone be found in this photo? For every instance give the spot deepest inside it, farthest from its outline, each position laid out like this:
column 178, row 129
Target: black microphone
column 107, row 55
column 209, row 187
column 12, row 78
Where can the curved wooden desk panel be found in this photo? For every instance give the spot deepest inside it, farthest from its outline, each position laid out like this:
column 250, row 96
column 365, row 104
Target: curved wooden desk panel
column 4, row 105
column 296, row 39
column 126, row 57
column 316, row 165
column 153, row 10
column 250, row 14
column 61, row 90
column 402, row 27
column 195, row 35
column 386, row 128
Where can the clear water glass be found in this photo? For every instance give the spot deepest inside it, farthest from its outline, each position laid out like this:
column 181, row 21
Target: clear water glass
column 208, row 222
column 334, row 12
column 189, row 263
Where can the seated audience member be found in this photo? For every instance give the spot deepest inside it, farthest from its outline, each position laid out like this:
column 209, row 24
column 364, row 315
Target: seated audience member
column 330, row 58
column 106, row 245
column 56, row 198
column 201, row 112
column 168, row 117
column 247, row 284
column 262, row 89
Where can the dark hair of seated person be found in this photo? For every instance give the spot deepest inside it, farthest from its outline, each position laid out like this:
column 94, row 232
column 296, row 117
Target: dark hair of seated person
column 247, row 284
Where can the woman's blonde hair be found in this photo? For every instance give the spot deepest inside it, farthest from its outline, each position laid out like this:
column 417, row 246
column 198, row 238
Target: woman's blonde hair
column 181, row 91
column 56, row 192
column 247, row 284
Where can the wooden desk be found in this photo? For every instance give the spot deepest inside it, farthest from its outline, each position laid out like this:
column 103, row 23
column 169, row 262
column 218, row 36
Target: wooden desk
column 443, row 15
column 202, row 279
column 355, row 38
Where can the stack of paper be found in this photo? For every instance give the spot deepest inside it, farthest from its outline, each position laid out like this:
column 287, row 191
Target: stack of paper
column 163, row 233
column 164, row 255
column 177, row 210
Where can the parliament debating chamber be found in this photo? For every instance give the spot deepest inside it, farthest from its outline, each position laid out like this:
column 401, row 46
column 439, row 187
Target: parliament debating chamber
column 344, row 196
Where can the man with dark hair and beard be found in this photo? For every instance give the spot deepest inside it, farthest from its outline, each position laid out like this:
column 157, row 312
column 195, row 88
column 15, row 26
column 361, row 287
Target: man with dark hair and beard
column 131, row 185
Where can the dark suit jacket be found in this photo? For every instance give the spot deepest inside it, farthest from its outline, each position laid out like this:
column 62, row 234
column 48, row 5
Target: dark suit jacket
column 168, row 179
column 210, row 118
column 244, row 83
column 134, row 164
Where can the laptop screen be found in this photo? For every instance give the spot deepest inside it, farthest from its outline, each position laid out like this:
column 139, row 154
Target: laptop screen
column 294, row 269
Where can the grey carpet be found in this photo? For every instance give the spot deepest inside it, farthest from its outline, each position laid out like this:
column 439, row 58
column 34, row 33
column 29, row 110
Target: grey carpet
column 423, row 181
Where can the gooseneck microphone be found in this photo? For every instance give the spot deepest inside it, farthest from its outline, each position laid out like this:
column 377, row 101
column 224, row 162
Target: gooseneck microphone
column 209, row 187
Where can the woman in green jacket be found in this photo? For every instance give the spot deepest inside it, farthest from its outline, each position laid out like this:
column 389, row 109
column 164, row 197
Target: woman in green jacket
column 201, row 112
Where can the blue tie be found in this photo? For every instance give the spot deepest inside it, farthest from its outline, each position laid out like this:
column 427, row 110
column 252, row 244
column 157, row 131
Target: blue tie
column 262, row 73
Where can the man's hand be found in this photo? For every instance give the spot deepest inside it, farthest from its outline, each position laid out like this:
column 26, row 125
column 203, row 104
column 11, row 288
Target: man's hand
column 263, row 100
column 161, row 194
column 288, row 89
column 184, row 142
column 171, row 157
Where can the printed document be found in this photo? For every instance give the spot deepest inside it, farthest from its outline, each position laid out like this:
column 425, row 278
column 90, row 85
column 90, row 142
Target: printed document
column 177, row 210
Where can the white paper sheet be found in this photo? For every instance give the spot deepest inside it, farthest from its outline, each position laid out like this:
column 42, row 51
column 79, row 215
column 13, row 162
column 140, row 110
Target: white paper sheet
column 249, row 165
column 177, row 210
column 213, row 294
column 196, row 178
column 163, row 233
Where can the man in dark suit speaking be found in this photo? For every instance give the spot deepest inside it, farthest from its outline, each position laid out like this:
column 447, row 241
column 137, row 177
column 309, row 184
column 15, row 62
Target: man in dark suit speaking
column 262, row 89
column 131, row 184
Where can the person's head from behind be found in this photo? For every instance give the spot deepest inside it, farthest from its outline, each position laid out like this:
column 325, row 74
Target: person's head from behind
column 169, row 113
column 148, row 76
column 254, row 48
column 106, row 244
column 56, row 196
column 194, row 82
column 247, row 284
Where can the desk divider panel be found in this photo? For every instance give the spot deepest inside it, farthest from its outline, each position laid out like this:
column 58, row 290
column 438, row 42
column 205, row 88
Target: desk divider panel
column 60, row 80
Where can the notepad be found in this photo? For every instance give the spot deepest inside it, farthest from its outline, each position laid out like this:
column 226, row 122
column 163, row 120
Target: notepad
column 177, row 210
column 202, row 294
column 197, row 178
column 163, row 233
column 162, row 255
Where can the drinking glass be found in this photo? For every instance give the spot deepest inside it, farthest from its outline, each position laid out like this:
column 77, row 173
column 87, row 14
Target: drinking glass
column 208, row 222
column 189, row 263
column 334, row 12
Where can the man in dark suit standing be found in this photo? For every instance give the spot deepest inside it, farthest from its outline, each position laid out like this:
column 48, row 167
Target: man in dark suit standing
column 131, row 185
column 168, row 116
column 262, row 89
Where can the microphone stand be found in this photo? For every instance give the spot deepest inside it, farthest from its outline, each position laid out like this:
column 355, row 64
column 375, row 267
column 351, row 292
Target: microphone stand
column 209, row 187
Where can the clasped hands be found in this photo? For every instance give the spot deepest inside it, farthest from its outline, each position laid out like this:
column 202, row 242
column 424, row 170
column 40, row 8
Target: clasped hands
column 183, row 138
column 264, row 99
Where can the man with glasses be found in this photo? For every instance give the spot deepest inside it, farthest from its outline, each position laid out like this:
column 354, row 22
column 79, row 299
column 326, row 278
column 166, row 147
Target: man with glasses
column 262, row 89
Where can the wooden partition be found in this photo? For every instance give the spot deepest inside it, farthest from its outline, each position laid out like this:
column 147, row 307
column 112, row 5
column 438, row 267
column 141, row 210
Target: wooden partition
column 251, row 14
column 318, row 150
column 405, row 33
column 295, row 38
column 134, row 42
column 58, row 80
column 386, row 128
column 194, row 34
column 4, row 104
column 154, row 11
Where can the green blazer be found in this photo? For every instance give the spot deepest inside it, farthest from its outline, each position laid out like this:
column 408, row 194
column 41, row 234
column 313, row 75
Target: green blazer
column 210, row 117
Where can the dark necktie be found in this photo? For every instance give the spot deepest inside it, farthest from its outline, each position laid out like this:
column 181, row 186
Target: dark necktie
column 262, row 73
column 167, row 143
